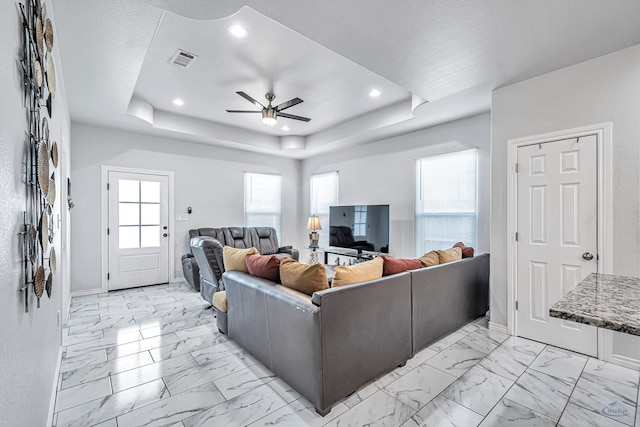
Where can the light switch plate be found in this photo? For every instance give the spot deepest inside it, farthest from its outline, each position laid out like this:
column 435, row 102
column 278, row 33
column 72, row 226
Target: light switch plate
column 182, row 217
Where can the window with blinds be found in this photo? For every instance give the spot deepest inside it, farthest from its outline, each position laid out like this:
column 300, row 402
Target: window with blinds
column 323, row 193
column 263, row 201
column 446, row 201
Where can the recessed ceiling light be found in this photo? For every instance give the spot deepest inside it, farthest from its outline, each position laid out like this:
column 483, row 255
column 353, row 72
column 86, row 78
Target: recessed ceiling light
column 179, row 102
column 238, row 31
column 285, row 127
column 374, row 93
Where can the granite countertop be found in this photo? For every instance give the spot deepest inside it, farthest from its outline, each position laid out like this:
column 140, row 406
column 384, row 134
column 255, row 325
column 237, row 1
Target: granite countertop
column 603, row 300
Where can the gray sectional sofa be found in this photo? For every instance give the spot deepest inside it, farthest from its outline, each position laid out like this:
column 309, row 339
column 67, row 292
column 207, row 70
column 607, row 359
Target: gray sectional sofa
column 328, row 345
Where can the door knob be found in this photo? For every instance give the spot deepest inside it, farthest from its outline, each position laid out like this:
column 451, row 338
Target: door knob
column 164, row 228
column 588, row 256
column 165, row 235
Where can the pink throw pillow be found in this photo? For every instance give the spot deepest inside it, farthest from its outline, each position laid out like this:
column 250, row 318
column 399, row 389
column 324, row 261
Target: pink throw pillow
column 265, row 266
column 398, row 265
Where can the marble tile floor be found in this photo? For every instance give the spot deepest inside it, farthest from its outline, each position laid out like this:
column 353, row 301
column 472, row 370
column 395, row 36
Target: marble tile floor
column 153, row 356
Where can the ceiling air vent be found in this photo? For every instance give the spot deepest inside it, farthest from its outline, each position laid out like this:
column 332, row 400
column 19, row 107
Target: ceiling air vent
column 183, row 59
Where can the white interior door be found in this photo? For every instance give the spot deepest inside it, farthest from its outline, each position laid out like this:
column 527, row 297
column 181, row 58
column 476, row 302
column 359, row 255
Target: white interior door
column 557, row 237
column 138, row 229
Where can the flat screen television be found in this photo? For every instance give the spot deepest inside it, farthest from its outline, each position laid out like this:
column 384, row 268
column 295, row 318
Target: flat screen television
column 360, row 227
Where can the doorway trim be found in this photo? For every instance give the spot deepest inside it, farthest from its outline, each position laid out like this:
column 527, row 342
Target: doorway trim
column 604, row 134
column 104, row 220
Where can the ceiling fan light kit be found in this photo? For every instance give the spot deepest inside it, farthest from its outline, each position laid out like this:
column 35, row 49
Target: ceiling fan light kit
column 270, row 113
column 269, row 116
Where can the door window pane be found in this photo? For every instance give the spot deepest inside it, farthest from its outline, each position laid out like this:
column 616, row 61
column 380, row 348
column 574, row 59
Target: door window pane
column 150, row 236
column 149, row 192
column 129, row 214
column 150, row 214
column 129, row 237
column 129, row 191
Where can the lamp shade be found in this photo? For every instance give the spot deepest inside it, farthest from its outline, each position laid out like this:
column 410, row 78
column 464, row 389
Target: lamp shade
column 314, row 223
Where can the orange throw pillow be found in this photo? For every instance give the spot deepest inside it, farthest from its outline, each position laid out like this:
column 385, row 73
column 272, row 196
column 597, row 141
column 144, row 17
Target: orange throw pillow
column 361, row 272
column 448, row 255
column 429, row 259
column 398, row 265
column 303, row 277
column 467, row 251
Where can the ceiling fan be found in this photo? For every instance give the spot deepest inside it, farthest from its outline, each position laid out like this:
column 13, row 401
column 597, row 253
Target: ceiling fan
column 270, row 113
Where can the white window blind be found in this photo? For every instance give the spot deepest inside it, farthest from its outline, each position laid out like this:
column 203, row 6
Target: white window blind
column 446, row 202
column 263, row 201
column 323, row 193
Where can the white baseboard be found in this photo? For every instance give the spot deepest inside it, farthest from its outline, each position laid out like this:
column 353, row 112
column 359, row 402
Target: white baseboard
column 52, row 400
column 498, row 328
column 86, row 292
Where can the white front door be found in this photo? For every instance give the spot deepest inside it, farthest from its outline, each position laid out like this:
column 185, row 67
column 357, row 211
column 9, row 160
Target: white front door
column 557, row 237
column 138, row 229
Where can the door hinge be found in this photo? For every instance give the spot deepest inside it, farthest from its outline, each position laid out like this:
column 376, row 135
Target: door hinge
column 108, row 276
column 516, row 236
column 516, row 305
column 108, row 231
column 516, row 168
column 107, row 185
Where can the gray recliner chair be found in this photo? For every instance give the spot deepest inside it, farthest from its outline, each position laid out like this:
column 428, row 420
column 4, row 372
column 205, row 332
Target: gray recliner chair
column 206, row 261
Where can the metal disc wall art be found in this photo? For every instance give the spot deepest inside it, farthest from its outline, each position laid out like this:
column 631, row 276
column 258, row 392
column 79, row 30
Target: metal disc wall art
column 39, row 38
column 44, row 231
column 52, row 226
column 39, row 281
column 48, row 33
column 51, row 75
column 39, row 77
column 36, row 70
column 32, row 243
column 45, row 130
column 53, row 261
column 49, row 284
column 51, row 194
column 43, row 167
column 54, row 154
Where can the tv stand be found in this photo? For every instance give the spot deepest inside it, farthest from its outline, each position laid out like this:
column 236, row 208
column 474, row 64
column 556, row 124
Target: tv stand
column 360, row 254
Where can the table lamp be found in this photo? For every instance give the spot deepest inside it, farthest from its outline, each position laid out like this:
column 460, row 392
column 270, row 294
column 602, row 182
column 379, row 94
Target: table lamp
column 313, row 224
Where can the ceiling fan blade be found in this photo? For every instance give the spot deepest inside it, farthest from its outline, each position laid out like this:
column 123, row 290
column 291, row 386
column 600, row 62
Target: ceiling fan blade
column 289, row 103
column 291, row 116
column 243, row 111
column 250, row 99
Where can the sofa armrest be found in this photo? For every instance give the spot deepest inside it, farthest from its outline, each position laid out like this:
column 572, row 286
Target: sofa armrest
column 280, row 327
column 446, row 296
column 366, row 332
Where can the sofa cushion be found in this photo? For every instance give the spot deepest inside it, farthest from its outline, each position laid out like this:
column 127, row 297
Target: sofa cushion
column 429, row 259
column 234, row 258
column 265, row 266
column 303, row 277
column 361, row 272
column 220, row 301
column 467, row 251
column 398, row 265
column 448, row 255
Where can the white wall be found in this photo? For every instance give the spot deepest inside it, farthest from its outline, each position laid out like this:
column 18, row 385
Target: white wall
column 384, row 173
column 605, row 89
column 208, row 179
column 30, row 341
